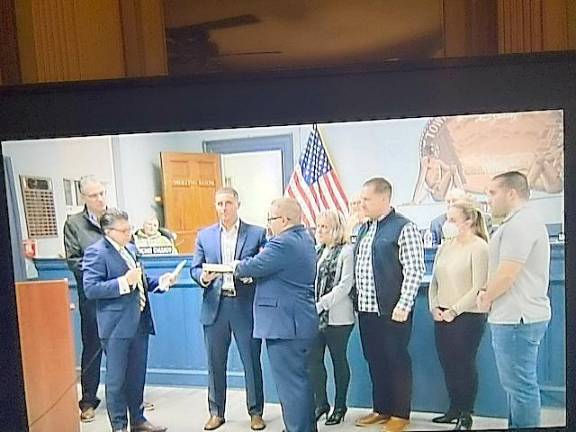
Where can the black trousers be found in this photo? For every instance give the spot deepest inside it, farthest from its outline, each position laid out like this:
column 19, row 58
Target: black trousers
column 91, row 354
column 385, row 346
column 457, row 344
column 336, row 339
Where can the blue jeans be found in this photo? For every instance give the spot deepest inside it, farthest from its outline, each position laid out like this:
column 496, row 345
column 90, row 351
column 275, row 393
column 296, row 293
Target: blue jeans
column 516, row 351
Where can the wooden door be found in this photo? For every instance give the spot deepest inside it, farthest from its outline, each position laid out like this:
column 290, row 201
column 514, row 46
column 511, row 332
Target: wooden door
column 190, row 181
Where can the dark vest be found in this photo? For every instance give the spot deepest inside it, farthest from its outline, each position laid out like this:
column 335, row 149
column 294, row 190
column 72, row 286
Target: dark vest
column 386, row 265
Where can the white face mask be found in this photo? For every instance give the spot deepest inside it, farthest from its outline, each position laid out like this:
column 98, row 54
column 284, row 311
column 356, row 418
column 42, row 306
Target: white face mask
column 450, row 230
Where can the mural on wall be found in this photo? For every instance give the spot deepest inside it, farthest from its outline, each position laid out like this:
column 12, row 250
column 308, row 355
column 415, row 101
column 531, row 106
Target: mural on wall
column 467, row 151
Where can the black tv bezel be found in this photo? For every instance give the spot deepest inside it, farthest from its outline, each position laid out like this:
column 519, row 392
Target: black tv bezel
column 365, row 92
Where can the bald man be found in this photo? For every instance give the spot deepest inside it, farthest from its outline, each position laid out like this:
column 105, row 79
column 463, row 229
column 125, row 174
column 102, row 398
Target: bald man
column 284, row 309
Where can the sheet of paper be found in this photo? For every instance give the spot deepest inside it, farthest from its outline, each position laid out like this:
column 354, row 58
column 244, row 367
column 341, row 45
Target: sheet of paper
column 178, row 269
column 164, row 281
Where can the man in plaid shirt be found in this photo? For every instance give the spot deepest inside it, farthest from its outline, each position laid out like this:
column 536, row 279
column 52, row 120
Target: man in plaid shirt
column 389, row 265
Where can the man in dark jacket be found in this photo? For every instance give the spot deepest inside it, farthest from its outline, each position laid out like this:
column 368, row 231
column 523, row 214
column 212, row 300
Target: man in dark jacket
column 388, row 268
column 80, row 231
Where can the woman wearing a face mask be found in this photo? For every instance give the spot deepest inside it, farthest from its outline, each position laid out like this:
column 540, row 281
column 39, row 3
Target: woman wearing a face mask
column 460, row 271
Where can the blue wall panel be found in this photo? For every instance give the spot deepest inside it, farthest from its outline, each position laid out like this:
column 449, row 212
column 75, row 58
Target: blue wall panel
column 177, row 354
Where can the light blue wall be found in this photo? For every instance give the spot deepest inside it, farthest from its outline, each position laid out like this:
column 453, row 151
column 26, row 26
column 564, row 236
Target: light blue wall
column 380, row 148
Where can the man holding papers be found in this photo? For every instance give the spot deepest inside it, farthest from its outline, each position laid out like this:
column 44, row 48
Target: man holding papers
column 227, row 306
column 285, row 309
column 112, row 276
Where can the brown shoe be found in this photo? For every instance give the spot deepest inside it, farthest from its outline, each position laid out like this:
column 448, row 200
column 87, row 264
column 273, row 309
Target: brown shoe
column 146, row 426
column 372, row 419
column 214, row 422
column 257, row 422
column 87, row 415
column 396, row 424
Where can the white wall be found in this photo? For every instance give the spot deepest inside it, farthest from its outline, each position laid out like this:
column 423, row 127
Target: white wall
column 137, row 161
column 57, row 159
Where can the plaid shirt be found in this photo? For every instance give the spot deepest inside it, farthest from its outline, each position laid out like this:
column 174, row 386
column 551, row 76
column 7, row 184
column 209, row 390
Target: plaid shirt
column 367, row 301
column 411, row 257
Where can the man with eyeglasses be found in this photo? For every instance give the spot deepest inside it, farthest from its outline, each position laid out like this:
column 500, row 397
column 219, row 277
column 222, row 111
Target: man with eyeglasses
column 80, row 231
column 285, row 309
column 113, row 278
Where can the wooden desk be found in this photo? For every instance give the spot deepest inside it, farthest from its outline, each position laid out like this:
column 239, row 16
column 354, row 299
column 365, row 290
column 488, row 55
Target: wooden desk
column 48, row 364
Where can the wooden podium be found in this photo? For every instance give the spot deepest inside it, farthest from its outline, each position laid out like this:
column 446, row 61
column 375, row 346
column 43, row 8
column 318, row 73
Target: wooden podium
column 48, row 365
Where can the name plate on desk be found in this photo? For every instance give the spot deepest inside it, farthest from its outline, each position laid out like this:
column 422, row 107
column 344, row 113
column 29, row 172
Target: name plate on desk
column 156, row 250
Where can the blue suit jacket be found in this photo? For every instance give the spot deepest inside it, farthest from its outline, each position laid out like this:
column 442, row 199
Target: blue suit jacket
column 118, row 315
column 251, row 239
column 285, row 270
column 436, row 228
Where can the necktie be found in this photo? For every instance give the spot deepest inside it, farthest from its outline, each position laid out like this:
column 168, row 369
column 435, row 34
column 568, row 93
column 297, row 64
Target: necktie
column 132, row 265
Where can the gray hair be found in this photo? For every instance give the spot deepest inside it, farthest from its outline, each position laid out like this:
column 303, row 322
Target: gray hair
column 88, row 179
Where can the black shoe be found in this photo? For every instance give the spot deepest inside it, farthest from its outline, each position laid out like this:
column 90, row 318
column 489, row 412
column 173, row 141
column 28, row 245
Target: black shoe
column 336, row 417
column 446, row 418
column 319, row 412
column 464, row 421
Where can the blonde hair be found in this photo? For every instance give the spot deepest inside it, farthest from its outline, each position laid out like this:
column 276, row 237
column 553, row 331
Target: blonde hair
column 337, row 222
column 471, row 211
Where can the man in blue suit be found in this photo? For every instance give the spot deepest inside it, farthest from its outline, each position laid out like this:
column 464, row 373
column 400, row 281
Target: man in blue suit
column 113, row 277
column 227, row 307
column 285, row 311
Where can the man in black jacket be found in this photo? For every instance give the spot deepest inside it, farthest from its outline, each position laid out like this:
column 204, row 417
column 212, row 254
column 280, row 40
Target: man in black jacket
column 80, row 231
column 388, row 269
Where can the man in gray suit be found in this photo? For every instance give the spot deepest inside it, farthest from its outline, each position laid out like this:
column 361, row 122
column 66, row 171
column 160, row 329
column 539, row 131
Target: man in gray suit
column 227, row 307
column 80, row 231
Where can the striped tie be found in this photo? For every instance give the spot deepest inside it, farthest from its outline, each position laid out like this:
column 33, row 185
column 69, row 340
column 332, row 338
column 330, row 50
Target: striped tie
column 132, row 265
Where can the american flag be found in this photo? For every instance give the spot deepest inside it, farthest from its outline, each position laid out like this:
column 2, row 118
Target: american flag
column 314, row 183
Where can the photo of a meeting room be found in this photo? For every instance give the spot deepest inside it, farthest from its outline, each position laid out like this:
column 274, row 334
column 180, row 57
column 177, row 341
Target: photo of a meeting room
column 404, row 274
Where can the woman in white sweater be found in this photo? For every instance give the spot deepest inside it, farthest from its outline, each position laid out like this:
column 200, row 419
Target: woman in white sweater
column 460, row 271
column 334, row 279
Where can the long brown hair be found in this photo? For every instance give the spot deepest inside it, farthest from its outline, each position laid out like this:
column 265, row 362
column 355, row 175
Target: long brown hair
column 472, row 212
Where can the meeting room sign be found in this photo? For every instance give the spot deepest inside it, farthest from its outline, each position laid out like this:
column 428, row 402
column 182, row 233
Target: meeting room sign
column 186, row 183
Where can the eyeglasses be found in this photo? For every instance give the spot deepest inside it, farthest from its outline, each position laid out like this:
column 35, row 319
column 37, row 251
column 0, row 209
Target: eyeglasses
column 125, row 230
column 96, row 195
column 270, row 219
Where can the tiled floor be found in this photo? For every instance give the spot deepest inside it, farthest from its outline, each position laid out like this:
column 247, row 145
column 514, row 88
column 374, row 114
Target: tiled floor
column 185, row 410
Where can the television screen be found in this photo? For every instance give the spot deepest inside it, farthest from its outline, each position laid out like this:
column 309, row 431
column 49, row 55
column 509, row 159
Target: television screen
column 437, row 133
